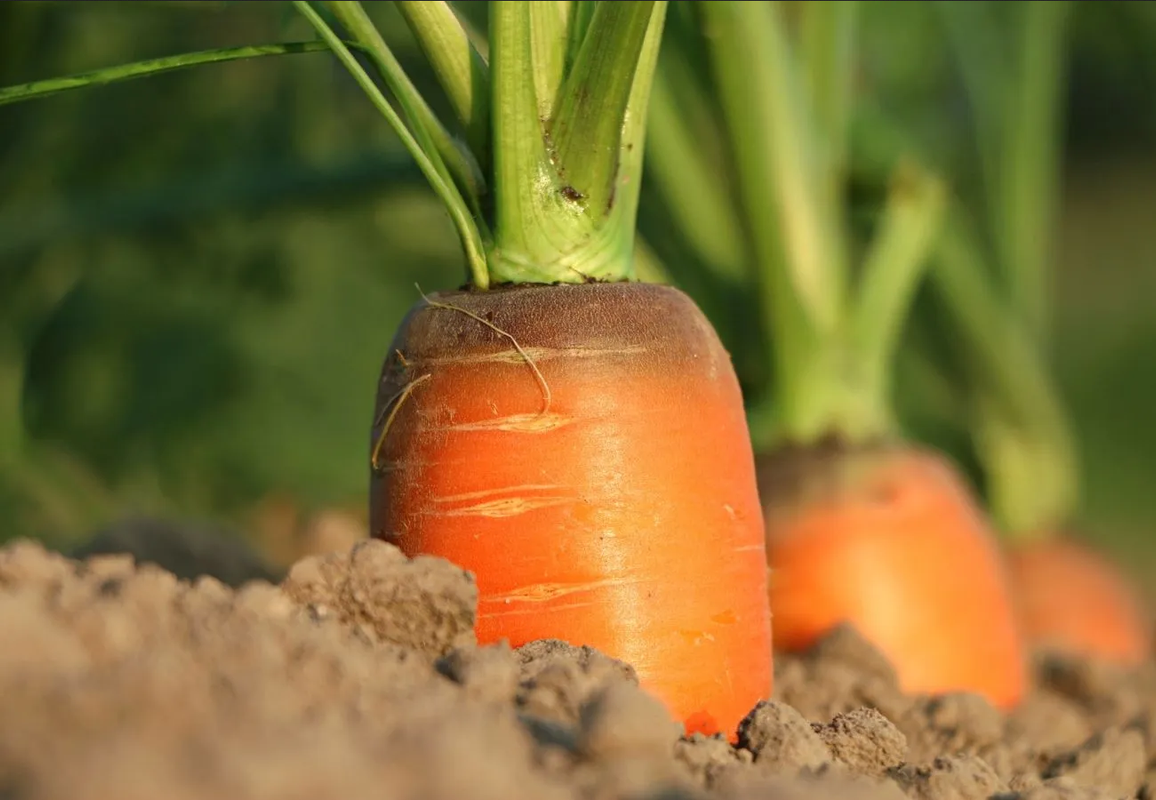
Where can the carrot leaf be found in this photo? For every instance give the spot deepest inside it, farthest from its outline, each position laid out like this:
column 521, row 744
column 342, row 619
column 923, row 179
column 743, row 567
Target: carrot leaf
column 153, row 66
column 460, row 69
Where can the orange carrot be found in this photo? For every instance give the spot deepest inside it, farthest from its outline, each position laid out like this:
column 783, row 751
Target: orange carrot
column 583, row 450
column 573, row 438
column 1075, row 600
column 889, row 540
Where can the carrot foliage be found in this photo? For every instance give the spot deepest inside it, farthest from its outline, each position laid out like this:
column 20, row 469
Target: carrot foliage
column 542, row 183
column 779, row 99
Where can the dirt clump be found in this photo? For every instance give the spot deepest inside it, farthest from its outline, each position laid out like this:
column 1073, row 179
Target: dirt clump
column 359, row 676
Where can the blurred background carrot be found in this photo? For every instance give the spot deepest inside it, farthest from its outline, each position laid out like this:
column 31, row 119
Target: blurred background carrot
column 197, row 270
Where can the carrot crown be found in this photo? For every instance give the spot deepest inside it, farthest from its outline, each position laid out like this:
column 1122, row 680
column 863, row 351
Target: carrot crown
column 542, row 182
column 782, row 109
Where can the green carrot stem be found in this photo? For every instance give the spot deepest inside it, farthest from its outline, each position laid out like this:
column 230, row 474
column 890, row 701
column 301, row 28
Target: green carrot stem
column 1029, row 163
column 1022, row 433
column 892, row 270
column 452, row 160
column 1015, row 98
column 619, row 231
column 555, row 220
column 586, row 129
column 527, row 194
column 420, row 147
column 579, row 14
column 550, row 43
column 786, row 113
column 648, row 266
column 461, row 70
column 762, row 116
column 827, row 46
column 770, row 129
column 701, row 208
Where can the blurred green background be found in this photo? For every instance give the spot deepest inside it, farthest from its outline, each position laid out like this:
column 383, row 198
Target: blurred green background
column 200, row 272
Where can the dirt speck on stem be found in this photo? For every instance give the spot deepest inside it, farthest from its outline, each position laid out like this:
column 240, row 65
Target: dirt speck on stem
column 359, row 677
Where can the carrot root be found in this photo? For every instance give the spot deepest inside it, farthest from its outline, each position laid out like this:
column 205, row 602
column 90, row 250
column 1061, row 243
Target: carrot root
column 1074, row 600
column 621, row 513
column 889, row 540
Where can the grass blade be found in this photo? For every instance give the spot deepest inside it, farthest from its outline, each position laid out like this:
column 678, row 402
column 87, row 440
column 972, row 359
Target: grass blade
column 149, row 67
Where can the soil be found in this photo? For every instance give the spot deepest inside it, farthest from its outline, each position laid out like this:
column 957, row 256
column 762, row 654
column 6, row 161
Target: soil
column 359, row 677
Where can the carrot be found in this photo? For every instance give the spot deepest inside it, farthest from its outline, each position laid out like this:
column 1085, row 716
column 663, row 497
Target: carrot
column 1069, row 596
column 890, row 539
column 862, row 526
column 612, row 502
column 1073, row 599
column 574, row 438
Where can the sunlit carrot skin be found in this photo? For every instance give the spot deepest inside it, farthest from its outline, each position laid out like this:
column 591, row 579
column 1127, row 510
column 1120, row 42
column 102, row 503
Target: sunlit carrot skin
column 891, row 540
column 623, row 514
column 1073, row 599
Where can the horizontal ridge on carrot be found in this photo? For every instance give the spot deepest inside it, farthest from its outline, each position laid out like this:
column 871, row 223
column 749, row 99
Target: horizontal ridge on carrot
column 574, row 438
column 862, row 527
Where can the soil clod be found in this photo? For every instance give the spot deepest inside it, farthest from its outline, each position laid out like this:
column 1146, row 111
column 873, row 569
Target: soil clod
column 359, row 677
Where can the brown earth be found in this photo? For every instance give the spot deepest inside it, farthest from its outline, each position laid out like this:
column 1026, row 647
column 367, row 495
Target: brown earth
column 359, row 677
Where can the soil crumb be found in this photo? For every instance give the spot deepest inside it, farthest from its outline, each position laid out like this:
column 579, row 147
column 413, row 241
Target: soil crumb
column 359, row 676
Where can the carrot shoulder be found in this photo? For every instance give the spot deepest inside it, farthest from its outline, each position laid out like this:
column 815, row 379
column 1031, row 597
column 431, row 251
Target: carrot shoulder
column 583, row 451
